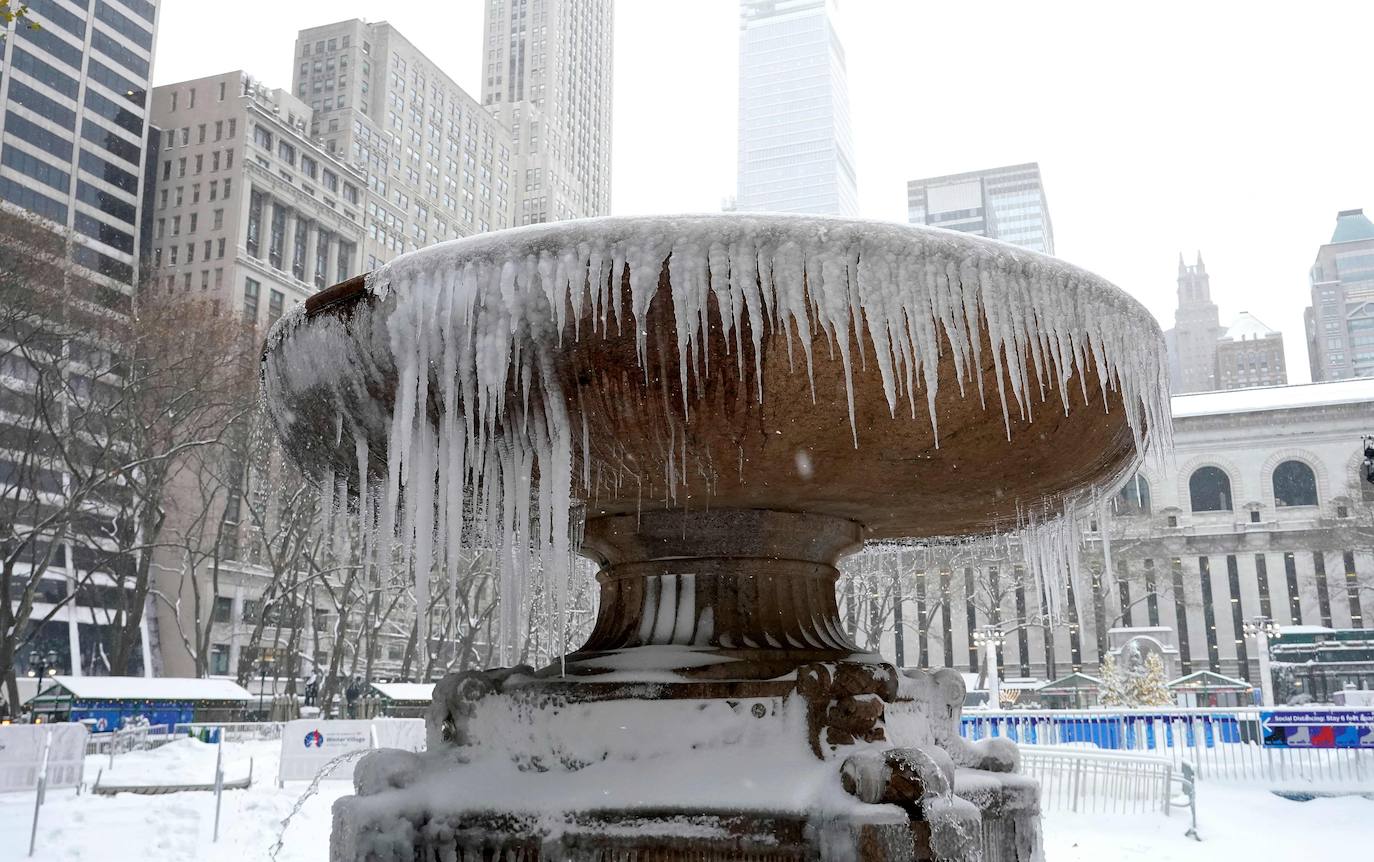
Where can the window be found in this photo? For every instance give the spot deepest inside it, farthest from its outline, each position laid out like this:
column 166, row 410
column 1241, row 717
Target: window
column 1133, row 498
column 275, row 303
column 219, row 248
column 1294, row 485
column 1209, row 488
column 251, row 289
column 287, row 153
column 219, row 219
column 252, row 242
column 262, row 138
column 224, row 609
column 219, row 659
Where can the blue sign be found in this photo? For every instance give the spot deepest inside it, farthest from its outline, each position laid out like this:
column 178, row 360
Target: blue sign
column 1318, row 728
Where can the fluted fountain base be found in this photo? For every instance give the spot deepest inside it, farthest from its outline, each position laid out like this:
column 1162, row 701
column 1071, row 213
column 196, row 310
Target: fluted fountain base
column 717, row 711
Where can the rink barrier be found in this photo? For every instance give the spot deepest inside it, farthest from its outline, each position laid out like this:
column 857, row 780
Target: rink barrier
column 1221, row 744
column 1100, row 783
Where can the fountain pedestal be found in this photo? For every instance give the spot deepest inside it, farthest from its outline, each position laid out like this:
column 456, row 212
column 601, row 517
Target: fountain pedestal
column 708, row 716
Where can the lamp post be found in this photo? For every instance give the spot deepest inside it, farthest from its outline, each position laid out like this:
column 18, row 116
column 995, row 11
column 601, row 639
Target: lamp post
column 264, row 667
column 1262, row 629
column 989, row 638
column 42, row 666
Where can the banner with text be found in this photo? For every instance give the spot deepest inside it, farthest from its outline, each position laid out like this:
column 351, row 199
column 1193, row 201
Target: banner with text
column 1318, row 728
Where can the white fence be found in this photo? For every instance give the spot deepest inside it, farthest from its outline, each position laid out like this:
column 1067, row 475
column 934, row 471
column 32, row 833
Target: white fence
column 130, row 739
column 1072, row 780
column 1222, row 744
column 247, row 731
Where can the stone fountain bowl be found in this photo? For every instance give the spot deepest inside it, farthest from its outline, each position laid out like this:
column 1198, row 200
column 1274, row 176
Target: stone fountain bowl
column 914, row 381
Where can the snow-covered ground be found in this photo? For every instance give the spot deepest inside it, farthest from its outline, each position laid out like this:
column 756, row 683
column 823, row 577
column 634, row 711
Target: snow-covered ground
column 1236, row 823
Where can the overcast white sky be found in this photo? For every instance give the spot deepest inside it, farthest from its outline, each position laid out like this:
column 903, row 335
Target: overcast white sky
column 1235, row 128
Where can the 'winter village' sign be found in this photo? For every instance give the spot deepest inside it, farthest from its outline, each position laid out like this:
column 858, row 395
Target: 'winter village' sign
column 1321, row 728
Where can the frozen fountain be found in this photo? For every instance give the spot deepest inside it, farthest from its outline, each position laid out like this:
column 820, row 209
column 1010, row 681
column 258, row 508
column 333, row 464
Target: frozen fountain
column 714, row 409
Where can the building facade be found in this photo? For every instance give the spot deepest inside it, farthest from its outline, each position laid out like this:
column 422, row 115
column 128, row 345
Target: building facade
column 1259, row 511
column 1250, row 354
column 249, row 212
column 1002, row 203
column 796, row 151
column 75, row 129
column 547, row 78
column 1340, row 320
column 1192, row 342
column 438, row 165
column 74, row 141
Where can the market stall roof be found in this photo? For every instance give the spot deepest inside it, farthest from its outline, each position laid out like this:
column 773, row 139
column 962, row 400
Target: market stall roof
column 405, row 691
column 1073, row 682
column 1209, row 681
column 153, row 688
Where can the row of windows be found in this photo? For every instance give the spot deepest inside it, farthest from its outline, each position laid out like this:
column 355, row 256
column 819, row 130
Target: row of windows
column 37, row 168
column 105, row 202
column 124, row 26
column 21, row 94
column 110, row 142
column 40, row 137
column 1209, row 490
column 45, row 72
column 99, row 230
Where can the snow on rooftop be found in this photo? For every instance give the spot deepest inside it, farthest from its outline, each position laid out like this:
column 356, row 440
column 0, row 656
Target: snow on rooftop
column 1298, row 396
column 1247, row 327
column 405, row 690
column 1305, row 630
column 151, row 688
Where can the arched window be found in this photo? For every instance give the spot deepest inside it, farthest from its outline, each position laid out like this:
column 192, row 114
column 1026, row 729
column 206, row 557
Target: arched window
column 1133, row 498
column 1210, row 490
column 1294, row 485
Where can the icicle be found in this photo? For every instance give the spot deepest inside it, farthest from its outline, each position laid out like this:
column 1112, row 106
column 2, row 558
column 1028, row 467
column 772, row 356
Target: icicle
column 470, row 336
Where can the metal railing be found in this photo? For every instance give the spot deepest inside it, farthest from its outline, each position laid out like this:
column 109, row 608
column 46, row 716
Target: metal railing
column 247, row 731
column 1073, row 780
column 1220, row 743
column 129, row 739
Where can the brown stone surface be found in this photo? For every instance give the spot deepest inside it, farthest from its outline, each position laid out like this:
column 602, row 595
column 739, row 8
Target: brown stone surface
column 790, row 452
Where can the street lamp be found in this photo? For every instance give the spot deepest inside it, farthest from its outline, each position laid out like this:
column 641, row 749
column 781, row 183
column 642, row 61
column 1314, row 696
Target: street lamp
column 264, row 666
column 988, row 639
column 42, row 667
column 1262, row 628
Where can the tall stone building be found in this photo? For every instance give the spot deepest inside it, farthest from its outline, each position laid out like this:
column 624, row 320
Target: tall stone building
column 1192, row 342
column 796, row 151
column 547, row 77
column 75, row 130
column 250, row 211
column 1261, row 510
column 1250, row 354
column 438, row 165
column 1340, row 320
column 1002, row 203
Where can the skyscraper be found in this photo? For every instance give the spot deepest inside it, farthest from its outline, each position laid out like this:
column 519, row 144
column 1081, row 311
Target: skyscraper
column 547, row 77
column 1192, row 342
column 1003, row 203
column 1340, row 320
column 438, row 165
column 75, row 129
column 796, row 153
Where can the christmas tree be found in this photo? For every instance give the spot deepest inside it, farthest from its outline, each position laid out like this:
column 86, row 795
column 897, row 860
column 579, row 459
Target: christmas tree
column 1114, row 689
column 1148, row 686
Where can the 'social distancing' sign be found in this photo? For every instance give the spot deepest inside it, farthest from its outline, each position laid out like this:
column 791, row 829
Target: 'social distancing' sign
column 308, row 744
column 21, row 755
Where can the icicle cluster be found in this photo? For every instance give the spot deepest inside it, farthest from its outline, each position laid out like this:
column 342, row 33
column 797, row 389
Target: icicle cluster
column 483, row 443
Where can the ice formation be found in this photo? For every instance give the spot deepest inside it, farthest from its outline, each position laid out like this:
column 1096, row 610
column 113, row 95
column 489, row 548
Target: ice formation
column 485, row 446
